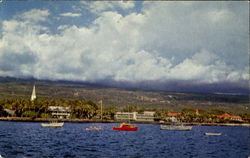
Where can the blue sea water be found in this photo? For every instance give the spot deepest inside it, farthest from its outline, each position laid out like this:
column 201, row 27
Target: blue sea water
column 29, row 139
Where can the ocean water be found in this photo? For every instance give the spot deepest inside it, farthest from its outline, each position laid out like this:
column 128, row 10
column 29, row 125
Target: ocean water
column 29, row 139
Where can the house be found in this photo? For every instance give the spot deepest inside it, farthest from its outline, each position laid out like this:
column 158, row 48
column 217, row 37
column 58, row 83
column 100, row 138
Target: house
column 10, row 112
column 173, row 116
column 197, row 112
column 144, row 116
column 125, row 115
column 59, row 111
column 236, row 118
column 224, row 116
column 230, row 117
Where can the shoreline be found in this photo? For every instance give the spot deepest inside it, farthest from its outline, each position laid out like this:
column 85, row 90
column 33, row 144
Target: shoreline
column 28, row 119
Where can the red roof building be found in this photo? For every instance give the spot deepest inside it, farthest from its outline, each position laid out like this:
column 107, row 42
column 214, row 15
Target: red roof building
column 197, row 112
column 224, row 116
column 173, row 114
column 231, row 117
column 237, row 118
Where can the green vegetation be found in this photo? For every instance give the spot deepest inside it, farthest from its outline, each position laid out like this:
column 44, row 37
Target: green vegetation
column 32, row 114
column 2, row 112
column 39, row 108
column 120, row 98
column 85, row 109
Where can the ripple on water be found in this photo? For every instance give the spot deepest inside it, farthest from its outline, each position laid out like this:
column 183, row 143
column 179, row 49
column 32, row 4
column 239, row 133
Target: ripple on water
column 22, row 139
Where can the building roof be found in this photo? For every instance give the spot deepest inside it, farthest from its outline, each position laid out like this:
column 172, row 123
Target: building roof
column 197, row 112
column 235, row 117
column 173, row 114
column 229, row 116
column 127, row 113
column 59, row 108
column 223, row 116
column 149, row 112
column 11, row 112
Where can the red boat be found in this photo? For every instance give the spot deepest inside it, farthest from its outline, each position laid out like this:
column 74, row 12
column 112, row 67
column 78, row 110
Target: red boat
column 126, row 127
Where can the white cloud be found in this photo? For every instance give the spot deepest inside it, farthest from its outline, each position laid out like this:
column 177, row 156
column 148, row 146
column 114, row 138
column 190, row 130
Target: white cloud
column 69, row 14
column 162, row 42
column 100, row 6
column 34, row 15
column 203, row 66
column 185, row 29
column 143, row 66
column 205, row 58
column 239, row 75
column 218, row 15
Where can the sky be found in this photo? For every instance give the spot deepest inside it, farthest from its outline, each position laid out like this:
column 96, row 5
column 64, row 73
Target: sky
column 140, row 43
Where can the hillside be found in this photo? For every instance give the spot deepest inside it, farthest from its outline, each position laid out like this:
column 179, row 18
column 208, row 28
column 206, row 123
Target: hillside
column 174, row 101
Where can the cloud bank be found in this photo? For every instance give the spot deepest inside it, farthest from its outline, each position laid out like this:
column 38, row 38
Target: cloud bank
column 162, row 41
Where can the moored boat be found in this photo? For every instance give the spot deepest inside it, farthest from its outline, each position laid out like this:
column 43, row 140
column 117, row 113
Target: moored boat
column 126, row 127
column 175, row 127
column 212, row 134
column 93, row 128
column 52, row 124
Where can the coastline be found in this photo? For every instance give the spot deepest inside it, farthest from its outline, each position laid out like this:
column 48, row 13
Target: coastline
column 29, row 119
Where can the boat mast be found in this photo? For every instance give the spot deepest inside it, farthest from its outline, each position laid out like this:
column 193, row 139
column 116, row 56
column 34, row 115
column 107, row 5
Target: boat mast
column 101, row 109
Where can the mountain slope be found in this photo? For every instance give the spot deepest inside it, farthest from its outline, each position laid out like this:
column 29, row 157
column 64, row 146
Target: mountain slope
column 174, row 101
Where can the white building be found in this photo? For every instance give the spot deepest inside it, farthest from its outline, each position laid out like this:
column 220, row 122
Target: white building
column 125, row 115
column 10, row 112
column 145, row 116
column 59, row 111
column 173, row 119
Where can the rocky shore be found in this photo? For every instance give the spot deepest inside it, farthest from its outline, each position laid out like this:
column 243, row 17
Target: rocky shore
column 29, row 119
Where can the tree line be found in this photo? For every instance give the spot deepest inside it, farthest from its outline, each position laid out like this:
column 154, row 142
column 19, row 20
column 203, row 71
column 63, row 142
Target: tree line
column 80, row 108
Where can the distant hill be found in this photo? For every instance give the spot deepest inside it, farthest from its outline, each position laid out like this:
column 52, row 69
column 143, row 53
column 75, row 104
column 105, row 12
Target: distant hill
column 174, row 101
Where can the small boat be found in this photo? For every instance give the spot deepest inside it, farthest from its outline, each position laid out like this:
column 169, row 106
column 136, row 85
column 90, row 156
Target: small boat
column 93, row 128
column 175, row 127
column 126, row 127
column 161, row 121
column 212, row 134
column 52, row 124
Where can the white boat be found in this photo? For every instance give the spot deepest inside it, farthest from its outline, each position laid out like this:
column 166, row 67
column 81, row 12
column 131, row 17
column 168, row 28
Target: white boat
column 212, row 134
column 93, row 128
column 175, row 127
column 52, row 124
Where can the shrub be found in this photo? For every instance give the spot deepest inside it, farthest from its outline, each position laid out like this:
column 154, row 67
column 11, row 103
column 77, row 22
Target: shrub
column 30, row 114
column 45, row 115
